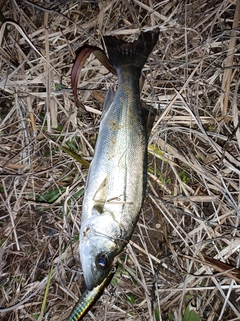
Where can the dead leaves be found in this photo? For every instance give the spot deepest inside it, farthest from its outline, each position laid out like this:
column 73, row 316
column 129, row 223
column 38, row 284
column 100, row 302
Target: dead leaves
column 80, row 60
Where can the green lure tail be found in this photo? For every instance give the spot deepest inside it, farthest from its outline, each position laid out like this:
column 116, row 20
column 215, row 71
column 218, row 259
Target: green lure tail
column 89, row 298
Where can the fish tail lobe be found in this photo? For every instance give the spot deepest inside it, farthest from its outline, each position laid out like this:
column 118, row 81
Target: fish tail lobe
column 132, row 54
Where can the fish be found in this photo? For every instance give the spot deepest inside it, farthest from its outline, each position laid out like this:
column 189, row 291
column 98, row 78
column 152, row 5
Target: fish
column 116, row 181
column 88, row 298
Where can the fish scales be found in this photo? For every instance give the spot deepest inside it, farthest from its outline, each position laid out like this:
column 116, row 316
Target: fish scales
column 116, row 180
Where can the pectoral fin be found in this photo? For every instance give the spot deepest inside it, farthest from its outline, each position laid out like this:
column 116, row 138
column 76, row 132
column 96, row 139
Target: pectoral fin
column 100, row 196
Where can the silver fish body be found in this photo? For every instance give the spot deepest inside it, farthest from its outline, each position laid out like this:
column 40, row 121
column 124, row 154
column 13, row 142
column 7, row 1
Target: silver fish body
column 116, row 180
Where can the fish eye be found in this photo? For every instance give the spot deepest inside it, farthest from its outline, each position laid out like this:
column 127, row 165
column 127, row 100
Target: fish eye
column 103, row 261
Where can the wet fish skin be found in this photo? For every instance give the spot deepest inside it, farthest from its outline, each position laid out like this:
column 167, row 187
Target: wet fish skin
column 116, row 180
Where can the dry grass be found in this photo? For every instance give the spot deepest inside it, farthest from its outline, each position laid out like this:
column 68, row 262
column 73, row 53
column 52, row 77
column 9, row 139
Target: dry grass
column 191, row 211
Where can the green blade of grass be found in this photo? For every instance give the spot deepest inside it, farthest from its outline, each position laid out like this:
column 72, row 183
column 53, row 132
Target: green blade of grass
column 46, row 294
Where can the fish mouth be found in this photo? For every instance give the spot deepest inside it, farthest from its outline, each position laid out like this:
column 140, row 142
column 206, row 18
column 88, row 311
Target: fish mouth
column 94, row 276
column 93, row 250
column 88, row 269
column 90, row 280
column 98, row 247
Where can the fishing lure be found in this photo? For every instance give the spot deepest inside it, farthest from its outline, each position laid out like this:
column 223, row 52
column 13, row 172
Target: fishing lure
column 89, row 298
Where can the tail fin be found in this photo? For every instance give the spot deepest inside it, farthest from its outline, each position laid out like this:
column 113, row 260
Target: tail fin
column 135, row 53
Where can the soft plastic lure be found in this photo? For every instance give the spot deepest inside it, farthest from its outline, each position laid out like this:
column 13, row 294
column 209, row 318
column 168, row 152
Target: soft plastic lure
column 89, row 298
